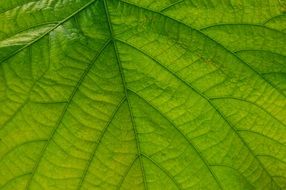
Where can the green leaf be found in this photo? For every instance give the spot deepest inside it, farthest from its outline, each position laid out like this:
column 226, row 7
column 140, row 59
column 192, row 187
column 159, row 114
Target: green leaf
column 142, row 94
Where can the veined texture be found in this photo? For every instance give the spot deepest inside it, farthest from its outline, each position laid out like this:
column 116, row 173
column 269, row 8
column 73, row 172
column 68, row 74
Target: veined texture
column 142, row 94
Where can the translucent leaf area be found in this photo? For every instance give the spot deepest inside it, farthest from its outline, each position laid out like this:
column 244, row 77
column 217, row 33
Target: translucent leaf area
column 142, row 94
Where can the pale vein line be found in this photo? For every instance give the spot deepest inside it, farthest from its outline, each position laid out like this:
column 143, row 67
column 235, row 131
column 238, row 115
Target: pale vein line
column 242, row 24
column 251, row 103
column 259, row 50
column 208, row 100
column 28, row 45
column 172, row 5
column 22, row 104
column 14, row 178
column 236, row 170
column 46, row 33
column 20, row 145
column 126, row 173
column 30, row 28
column 163, row 170
column 272, row 18
column 99, row 141
column 211, row 39
column 17, row 5
column 260, row 134
column 196, row 149
column 272, row 157
column 64, row 112
column 126, row 93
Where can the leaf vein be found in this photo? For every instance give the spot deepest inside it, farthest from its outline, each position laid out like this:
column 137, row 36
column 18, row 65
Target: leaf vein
column 208, row 100
column 184, row 136
column 211, row 39
column 99, row 141
column 126, row 93
column 64, row 112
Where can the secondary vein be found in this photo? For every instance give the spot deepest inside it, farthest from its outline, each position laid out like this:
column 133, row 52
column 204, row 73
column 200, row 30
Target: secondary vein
column 64, row 112
column 126, row 94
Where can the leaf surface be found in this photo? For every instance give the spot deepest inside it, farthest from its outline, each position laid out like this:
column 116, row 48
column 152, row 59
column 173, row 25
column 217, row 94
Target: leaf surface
column 113, row 94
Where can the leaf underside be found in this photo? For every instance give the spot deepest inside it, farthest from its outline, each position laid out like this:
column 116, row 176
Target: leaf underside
column 142, row 94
